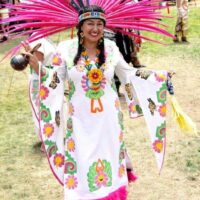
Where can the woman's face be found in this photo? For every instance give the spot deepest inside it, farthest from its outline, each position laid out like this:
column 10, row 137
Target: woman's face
column 92, row 30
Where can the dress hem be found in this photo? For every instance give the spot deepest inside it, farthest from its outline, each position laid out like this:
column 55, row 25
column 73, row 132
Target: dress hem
column 119, row 194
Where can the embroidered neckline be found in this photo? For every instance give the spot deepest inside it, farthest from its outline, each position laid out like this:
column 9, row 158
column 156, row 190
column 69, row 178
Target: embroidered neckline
column 87, row 60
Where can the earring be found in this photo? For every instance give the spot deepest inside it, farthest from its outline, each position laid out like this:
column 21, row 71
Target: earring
column 81, row 38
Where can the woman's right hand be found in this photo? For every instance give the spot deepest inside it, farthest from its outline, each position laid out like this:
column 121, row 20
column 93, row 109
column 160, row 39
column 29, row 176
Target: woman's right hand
column 33, row 60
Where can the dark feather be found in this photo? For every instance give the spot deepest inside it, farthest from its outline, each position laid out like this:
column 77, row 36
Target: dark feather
column 75, row 5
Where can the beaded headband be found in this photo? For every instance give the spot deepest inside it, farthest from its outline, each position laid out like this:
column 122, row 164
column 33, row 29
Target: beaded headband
column 92, row 15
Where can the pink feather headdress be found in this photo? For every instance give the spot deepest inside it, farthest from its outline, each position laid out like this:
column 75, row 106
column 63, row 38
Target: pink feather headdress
column 52, row 16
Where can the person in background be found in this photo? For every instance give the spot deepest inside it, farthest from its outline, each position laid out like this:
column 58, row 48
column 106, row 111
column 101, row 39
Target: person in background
column 181, row 28
column 4, row 26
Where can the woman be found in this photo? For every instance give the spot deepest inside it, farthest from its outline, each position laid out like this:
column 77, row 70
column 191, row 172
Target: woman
column 89, row 158
column 93, row 156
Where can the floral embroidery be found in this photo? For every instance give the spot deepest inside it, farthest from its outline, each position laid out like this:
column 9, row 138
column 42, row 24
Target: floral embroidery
column 122, row 152
column 93, row 82
column 70, row 145
column 56, row 60
column 132, row 107
column 58, row 160
column 80, row 66
column 121, row 137
column 162, row 110
column 121, row 170
column 48, row 130
column 71, row 182
column 44, row 92
column 71, row 109
column 52, row 147
column 45, row 74
column 161, row 131
column 70, row 164
column 158, row 146
column 69, row 128
column 101, row 179
column 117, row 104
column 95, row 76
column 45, row 113
column 99, row 175
column 160, row 77
column 161, row 94
column 71, row 89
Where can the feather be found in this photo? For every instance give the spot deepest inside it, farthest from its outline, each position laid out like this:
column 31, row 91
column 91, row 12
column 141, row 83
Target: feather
column 87, row 3
column 81, row 4
column 52, row 16
column 183, row 120
column 75, row 5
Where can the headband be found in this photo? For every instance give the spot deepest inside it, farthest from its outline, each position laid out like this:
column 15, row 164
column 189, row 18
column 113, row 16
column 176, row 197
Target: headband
column 92, row 15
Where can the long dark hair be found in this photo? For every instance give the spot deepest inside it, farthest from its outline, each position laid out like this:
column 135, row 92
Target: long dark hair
column 100, row 44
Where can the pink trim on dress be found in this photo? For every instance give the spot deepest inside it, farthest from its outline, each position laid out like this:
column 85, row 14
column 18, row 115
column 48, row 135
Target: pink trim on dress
column 131, row 176
column 120, row 194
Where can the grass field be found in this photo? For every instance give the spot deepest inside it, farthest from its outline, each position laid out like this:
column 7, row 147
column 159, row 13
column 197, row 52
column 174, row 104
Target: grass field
column 24, row 171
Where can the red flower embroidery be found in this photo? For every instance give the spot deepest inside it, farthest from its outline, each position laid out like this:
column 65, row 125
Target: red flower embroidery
column 158, row 146
column 58, row 160
column 44, row 92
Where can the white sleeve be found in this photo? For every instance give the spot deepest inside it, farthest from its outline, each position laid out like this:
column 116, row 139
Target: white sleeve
column 123, row 70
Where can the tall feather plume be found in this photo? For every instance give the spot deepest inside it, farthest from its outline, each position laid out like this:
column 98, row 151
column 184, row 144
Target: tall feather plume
column 52, row 16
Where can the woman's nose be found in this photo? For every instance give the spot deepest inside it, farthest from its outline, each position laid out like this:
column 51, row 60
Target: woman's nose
column 95, row 28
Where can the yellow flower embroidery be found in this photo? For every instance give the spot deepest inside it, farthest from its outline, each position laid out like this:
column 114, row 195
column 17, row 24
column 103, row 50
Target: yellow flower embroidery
column 87, row 62
column 84, row 53
column 95, row 75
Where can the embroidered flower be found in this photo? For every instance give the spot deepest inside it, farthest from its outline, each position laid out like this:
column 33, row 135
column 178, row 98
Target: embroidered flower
column 87, row 62
column 161, row 131
column 84, row 53
column 162, row 93
column 95, row 75
column 132, row 107
column 71, row 109
column 71, row 182
column 158, row 146
column 56, row 60
column 48, row 130
column 121, row 170
column 58, row 160
column 117, row 104
column 44, row 92
column 160, row 77
column 101, row 179
column 121, row 137
column 45, row 113
column 162, row 110
column 70, row 145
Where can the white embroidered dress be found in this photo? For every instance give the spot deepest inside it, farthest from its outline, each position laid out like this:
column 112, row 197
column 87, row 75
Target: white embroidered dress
column 90, row 161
